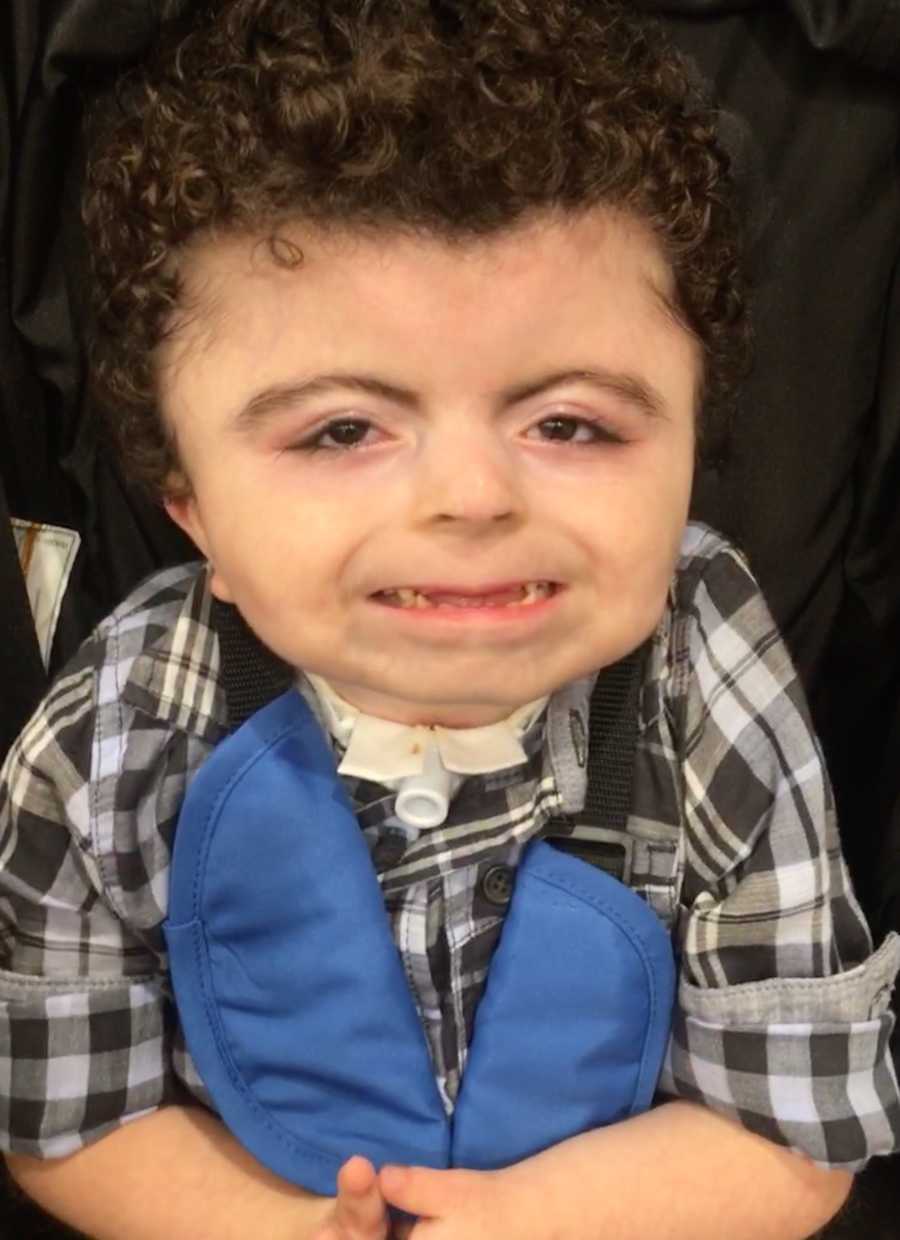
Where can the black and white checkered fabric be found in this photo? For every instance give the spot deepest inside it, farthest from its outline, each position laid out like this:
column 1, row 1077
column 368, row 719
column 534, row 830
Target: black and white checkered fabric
column 782, row 1018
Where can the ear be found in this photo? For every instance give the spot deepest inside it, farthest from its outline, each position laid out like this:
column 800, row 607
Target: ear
column 183, row 509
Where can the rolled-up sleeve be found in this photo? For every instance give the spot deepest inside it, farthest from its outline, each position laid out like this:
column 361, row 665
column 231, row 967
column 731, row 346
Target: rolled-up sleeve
column 800, row 1062
column 77, row 1059
column 782, row 1018
column 83, row 1003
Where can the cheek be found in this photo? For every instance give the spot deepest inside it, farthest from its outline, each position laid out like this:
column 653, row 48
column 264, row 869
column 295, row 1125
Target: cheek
column 670, row 474
column 273, row 547
column 641, row 518
column 648, row 492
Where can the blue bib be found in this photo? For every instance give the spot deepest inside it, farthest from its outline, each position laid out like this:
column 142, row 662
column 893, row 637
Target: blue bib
column 296, row 1010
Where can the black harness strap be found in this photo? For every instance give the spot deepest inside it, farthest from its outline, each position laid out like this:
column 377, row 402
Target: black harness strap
column 613, row 739
column 252, row 677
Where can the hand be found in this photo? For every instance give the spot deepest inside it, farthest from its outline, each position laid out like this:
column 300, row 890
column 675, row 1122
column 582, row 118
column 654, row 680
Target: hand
column 360, row 1212
column 465, row 1205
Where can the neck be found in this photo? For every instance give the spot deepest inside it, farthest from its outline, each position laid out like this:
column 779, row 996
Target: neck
column 413, row 714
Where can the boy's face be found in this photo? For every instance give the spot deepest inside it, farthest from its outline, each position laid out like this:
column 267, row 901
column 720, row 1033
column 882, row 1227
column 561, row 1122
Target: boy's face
column 515, row 410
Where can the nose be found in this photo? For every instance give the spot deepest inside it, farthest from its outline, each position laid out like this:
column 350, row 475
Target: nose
column 467, row 474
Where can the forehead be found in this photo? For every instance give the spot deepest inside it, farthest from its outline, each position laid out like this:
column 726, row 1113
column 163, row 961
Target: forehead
column 547, row 245
column 387, row 299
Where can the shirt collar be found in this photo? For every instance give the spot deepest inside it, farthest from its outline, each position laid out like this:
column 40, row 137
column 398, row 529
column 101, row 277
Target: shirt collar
column 176, row 677
column 568, row 713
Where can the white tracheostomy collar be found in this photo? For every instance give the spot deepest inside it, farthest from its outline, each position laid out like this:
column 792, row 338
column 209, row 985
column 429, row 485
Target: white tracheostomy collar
column 425, row 765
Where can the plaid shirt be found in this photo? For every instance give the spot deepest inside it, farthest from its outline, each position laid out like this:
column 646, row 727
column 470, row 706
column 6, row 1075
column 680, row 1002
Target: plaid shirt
column 782, row 1018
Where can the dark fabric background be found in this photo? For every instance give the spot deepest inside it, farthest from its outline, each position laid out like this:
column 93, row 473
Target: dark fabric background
column 811, row 488
column 54, row 54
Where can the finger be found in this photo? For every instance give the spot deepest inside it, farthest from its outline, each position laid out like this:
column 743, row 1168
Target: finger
column 356, row 1177
column 422, row 1190
column 360, row 1207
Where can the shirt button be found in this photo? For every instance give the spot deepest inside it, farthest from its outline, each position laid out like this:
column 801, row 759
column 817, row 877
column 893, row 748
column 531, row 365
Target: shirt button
column 497, row 885
column 388, row 850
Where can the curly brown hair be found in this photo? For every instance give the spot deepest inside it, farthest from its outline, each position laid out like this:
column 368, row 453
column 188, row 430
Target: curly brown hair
column 456, row 118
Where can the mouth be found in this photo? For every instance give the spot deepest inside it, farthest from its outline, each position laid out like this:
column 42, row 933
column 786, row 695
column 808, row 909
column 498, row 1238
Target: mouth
column 508, row 595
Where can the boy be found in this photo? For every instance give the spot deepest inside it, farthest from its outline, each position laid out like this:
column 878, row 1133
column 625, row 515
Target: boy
column 407, row 311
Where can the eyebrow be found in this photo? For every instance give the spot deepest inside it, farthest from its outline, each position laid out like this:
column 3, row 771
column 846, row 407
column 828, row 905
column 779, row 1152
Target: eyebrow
column 270, row 401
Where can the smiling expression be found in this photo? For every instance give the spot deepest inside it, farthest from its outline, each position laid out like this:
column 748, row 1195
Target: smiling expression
column 446, row 478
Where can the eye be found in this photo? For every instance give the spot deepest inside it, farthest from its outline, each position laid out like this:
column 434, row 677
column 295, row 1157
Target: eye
column 345, row 433
column 566, row 428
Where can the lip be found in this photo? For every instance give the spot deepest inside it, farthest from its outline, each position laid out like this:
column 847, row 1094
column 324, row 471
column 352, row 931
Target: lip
column 488, row 587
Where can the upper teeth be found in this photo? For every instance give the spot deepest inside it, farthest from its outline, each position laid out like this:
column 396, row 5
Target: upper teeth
column 405, row 596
